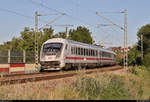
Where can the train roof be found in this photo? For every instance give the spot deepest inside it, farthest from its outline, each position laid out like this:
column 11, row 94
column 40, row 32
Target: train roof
column 78, row 43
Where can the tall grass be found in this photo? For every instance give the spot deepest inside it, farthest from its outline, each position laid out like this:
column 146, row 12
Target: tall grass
column 105, row 86
column 144, row 74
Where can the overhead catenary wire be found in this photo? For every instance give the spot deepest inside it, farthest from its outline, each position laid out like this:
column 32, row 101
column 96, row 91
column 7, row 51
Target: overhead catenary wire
column 16, row 13
column 42, row 5
column 94, row 12
column 52, row 21
column 19, row 14
column 67, row 15
column 75, row 18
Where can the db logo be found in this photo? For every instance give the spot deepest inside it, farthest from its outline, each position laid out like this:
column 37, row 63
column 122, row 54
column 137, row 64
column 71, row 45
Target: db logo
column 49, row 57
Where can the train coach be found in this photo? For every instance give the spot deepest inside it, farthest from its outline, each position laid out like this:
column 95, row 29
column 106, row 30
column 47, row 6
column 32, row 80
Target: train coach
column 59, row 53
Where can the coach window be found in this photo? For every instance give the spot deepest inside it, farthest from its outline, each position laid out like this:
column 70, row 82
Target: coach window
column 103, row 54
column 90, row 52
column 81, row 51
column 93, row 52
column 71, row 50
column 87, row 52
column 84, row 52
column 96, row 53
column 76, row 50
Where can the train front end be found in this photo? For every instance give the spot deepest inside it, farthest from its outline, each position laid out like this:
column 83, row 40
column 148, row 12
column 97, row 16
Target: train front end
column 51, row 57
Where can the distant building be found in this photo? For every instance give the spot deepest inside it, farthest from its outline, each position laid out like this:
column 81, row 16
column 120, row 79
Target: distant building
column 115, row 49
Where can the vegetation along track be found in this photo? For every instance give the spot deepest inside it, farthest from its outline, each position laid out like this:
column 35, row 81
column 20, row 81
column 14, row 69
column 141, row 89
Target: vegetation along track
column 50, row 76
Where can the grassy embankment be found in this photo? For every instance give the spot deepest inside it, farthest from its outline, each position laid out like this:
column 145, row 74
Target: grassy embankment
column 132, row 86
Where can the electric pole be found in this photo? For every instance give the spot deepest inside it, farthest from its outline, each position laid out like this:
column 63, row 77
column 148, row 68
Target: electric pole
column 125, row 41
column 125, row 47
column 66, row 32
column 36, row 40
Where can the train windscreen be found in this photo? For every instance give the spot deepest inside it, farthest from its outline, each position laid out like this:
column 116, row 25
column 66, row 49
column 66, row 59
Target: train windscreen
column 52, row 48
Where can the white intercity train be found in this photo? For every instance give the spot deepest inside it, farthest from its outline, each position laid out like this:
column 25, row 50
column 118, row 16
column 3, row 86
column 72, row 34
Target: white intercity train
column 59, row 53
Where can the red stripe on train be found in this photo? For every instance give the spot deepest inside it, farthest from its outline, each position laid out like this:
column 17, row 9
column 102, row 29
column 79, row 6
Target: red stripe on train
column 81, row 58
column 4, row 69
column 17, row 65
column 91, row 59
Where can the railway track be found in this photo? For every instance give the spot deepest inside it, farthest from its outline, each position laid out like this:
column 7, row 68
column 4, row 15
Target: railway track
column 17, row 79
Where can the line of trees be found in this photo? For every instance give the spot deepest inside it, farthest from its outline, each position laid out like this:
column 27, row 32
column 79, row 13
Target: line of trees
column 135, row 54
column 81, row 34
column 26, row 39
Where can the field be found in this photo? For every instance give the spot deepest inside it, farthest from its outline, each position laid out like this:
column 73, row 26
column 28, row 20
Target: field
column 114, row 85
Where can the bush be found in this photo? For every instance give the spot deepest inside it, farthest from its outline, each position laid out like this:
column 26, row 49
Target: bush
column 134, row 70
column 146, row 60
column 107, row 87
column 87, row 87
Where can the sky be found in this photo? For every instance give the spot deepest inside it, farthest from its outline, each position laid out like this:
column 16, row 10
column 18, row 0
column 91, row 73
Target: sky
column 17, row 14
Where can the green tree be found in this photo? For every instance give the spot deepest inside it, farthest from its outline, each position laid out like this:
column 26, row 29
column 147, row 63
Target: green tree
column 27, row 40
column 81, row 34
column 146, row 60
column 119, row 58
column 145, row 31
column 134, row 56
column 12, row 45
column 60, row 35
